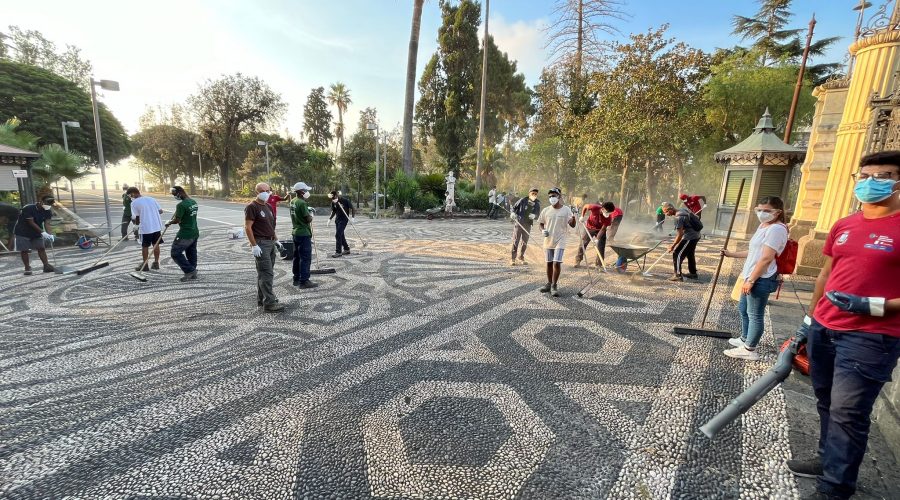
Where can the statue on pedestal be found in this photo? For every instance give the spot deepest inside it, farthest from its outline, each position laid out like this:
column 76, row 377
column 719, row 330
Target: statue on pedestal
column 450, row 200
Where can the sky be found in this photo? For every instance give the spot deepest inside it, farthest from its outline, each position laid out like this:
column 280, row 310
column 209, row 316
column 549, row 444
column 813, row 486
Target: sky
column 161, row 51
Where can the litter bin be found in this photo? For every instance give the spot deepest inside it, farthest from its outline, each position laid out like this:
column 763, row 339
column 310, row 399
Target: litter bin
column 287, row 249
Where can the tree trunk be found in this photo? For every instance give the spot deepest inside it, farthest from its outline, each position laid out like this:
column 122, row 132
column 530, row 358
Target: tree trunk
column 340, row 140
column 410, row 86
column 72, row 192
column 679, row 171
column 624, row 180
column 580, row 42
column 648, row 191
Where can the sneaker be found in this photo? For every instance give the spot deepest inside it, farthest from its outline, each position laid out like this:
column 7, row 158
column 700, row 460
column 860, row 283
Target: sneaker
column 346, row 252
column 818, row 495
column 335, row 255
column 742, row 353
column 28, row 272
column 554, row 291
column 522, row 261
column 512, row 262
column 546, row 288
column 154, row 266
column 676, row 277
column 276, row 307
column 189, row 276
column 737, row 342
column 577, row 264
column 692, row 276
column 142, row 268
column 805, row 468
column 306, row 284
column 49, row 269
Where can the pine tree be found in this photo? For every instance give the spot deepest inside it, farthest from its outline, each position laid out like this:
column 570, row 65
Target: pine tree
column 317, row 119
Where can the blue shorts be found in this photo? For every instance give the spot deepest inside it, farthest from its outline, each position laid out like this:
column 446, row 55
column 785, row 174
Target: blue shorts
column 555, row 254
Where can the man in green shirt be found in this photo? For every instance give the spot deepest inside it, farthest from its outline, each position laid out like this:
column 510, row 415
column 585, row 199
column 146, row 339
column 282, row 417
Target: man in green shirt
column 301, row 218
column 126, row 212
column 184, row 248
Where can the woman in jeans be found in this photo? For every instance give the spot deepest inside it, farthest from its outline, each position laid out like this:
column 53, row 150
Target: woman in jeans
column 760, row 275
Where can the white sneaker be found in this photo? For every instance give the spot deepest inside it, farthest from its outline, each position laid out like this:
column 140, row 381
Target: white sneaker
column 737, row 342
column 742, row 353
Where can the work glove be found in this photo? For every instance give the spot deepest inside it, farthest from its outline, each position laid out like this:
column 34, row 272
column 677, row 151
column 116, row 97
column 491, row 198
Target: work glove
column 279, row 246
column 532, row 216
column 873, row 306
column 546, row 233
column 257, row 251
column 328, row 222
column 583, row 219
column 803, row 331
column 512, row 216
column 47, row 236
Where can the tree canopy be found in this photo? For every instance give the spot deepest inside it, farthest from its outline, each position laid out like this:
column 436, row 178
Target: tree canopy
column 317, row 119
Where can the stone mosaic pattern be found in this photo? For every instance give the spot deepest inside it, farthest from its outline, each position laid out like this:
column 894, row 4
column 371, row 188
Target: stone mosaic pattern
column 425, row 367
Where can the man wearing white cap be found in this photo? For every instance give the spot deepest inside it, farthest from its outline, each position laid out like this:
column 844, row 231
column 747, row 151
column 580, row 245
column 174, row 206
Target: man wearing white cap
column 301, row 219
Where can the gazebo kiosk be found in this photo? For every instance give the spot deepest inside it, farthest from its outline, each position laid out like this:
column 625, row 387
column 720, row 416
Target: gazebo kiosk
column 764, row 161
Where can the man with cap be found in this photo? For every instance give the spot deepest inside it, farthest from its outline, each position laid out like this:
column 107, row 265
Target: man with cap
column 301, row 218
column 591, row 219
column 555, row 222
column 341, row 211
column 525, row 211
column 260, row 229
column 184, row 248
column 687, row 227
column 32, row 229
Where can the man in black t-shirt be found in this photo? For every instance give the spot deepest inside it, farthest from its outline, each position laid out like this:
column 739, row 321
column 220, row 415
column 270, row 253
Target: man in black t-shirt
column 341, row 211
column 32, row 229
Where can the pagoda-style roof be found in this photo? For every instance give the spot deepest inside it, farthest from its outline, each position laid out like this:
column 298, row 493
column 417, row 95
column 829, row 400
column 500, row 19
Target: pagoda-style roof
column 763, row 144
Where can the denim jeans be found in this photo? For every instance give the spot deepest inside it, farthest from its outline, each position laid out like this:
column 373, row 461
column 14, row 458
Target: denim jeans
column 848, row 370
column 302, row 258
column 265, row 274
column 340, row 240
column 182, row 248
column 752, row 308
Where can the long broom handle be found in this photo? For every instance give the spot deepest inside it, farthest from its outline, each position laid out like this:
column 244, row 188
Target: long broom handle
column 352, row 224
column 153, row 250
column 737, row 206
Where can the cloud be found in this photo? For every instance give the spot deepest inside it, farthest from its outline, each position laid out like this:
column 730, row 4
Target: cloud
column 523, row 41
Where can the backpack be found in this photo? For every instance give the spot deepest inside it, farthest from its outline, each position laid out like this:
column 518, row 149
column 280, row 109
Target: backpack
column 787, row 259
column 695, row 222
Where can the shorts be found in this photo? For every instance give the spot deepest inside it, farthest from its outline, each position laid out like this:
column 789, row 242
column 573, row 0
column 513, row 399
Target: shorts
column 26, row 244
column 150, row 239
column 555, row 254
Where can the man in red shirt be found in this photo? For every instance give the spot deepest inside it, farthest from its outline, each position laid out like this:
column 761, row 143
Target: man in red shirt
column 693, row 203
column 854, row 333
column 591, row 215
column 273, row 204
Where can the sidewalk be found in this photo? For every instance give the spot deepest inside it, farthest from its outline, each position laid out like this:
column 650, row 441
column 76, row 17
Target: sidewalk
column 880, row 472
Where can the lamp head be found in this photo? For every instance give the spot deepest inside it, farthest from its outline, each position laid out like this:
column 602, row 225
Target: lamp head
column 72, row 124
column 261, row 143
column 109, row 85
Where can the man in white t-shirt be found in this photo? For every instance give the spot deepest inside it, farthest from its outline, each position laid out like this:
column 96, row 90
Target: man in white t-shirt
column 492, row 203
column 555, row 221
column 145, row 213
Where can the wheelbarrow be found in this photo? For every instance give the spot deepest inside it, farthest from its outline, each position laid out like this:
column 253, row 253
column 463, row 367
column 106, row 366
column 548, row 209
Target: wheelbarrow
column 630, row 252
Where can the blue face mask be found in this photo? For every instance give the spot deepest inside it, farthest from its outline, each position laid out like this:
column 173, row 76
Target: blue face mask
column 873, row 190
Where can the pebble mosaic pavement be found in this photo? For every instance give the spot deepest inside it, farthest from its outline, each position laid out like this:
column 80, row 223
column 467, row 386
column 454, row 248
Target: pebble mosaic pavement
column 425, row 367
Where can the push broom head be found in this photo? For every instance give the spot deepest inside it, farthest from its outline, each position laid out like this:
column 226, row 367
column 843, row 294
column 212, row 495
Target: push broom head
column 138, row 275
column 85, row 270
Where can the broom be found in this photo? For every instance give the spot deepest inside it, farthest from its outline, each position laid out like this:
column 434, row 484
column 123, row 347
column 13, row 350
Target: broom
column 685, row 330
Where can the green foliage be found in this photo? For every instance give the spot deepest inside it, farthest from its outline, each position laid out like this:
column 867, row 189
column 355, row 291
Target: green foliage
column 472, row 200
column 402, row 189
column 55, row 164
column 425, row 201
column 228, row 107
column 356, row 159
column 317, row 119
column 41, row 100
column 30, row 47
column 319, row 200
column 433, row 184
column 167, row 151
column 339, row 97
column 10, row 135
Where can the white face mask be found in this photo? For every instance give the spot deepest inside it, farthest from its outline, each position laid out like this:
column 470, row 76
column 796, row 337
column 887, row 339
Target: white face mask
column 604, row 213
column 46, row 207
column 554, row 200
column 306, row 195
column 765, row 216
column 263, row 197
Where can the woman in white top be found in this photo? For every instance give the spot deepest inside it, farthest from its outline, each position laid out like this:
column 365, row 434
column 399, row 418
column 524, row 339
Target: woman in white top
column 760, row 275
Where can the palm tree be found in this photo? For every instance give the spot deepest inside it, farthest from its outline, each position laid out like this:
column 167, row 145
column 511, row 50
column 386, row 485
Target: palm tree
column 339, row 97
column 56, row 163
column 17, row 139
column 411, row 86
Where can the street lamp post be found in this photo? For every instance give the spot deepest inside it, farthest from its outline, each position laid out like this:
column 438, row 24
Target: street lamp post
column 268, row 174
column 199, row 160
column 374, row 126
column 66, row 147
column 111, row 86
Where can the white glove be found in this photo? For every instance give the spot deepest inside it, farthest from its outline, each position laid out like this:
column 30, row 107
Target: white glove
column 512, row 216
column 47, row 236
column 312, row 214
column 532, row 216
column 257, row 251
column 328, row 222
column 583, row 219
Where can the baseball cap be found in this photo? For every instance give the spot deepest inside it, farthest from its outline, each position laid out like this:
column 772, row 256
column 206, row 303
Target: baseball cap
column 554, row 191
column 301, row 186
column 534, row 190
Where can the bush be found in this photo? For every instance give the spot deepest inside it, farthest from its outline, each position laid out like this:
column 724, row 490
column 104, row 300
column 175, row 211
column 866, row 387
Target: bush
column 478, row 200
column 319, row 200
column 402, row 190
column 424, row 202
column 434, row 184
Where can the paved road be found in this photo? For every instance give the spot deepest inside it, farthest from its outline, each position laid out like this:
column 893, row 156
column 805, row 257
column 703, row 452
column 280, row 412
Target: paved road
column 424, row 367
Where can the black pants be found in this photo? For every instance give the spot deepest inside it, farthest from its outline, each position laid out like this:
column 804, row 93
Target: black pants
column 522, row 235
column 685, row 248
column 585, row 243
column 340, row 241
column 126, row 220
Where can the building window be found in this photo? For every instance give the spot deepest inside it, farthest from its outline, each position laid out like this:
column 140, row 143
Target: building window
column 771, row 183
column 734, row 183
